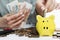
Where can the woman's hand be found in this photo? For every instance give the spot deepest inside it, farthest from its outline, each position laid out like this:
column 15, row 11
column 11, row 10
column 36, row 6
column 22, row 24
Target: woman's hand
column 45, row 4
column 58, row 6
column 15, row 20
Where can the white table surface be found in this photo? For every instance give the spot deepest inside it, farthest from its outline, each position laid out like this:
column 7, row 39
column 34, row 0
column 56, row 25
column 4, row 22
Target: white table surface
column 16, row 37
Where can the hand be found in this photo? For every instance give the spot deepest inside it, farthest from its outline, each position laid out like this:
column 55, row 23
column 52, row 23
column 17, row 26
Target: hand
column 45, row 4
column 58, row 6
column 26, row 11
column 15, row 20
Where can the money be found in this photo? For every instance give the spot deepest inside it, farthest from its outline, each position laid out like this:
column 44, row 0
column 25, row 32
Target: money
column 16, row 6
column 28, row 32
column 12, row 7
column 28, row 5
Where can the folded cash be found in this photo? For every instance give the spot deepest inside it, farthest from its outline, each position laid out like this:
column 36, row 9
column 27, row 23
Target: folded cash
column 12, row 6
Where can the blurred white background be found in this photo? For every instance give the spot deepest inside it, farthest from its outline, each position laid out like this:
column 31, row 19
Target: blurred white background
column 58, row 1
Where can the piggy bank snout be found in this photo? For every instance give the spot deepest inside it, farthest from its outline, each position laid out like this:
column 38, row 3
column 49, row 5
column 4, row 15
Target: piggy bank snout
column 45, row 27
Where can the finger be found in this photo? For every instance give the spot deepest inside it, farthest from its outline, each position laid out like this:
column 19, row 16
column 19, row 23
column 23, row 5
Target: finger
column 44, row 2
column 58, row 6
column 7, row 15
column 22, row 10
column 16, row 26
column 53, row 5
column 39, row 10
column 27, row 13
column 15, row 20
column 17, row 23
column 48, row 3
column 40, row 4
column 13, row 17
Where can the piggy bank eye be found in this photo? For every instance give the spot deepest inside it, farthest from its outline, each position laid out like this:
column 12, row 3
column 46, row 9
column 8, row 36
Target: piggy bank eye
column 43, row 21
column 47, row 20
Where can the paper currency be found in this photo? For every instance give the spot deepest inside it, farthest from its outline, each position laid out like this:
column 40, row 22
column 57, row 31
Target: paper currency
column 12, row 6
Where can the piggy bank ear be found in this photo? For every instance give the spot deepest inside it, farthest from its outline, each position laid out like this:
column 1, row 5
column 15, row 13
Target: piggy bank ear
column 38, row 17
column 52, row 17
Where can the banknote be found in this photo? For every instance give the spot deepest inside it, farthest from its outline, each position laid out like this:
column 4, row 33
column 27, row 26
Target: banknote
column 12, row 6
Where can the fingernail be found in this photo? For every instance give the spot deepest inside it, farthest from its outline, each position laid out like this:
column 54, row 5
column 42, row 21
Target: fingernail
column 8, row 18
column 21, row 13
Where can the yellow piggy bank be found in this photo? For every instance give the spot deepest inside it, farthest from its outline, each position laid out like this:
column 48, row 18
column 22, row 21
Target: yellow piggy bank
column 45, row 26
